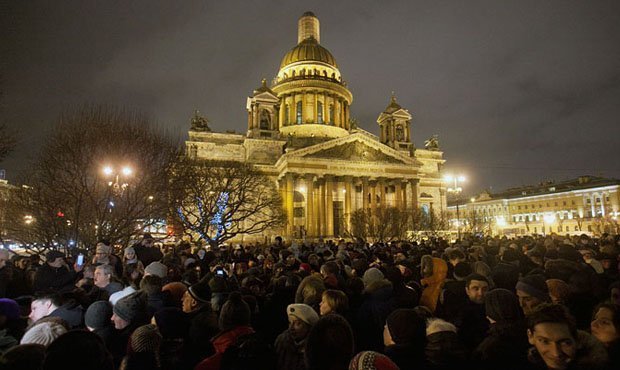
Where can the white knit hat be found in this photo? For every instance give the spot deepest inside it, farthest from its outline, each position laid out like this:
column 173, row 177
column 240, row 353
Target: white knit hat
column 43, row 333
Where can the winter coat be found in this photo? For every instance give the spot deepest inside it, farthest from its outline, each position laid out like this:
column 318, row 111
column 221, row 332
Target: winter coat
column 444, row 351
column 290, row 353
column 505, row 347
column 378, row 303
column 591, row 355
column 406, row 356
column 451, row 299
column 472, row 324
column 221, row 344
column 433, row 284
column 59, row 279
column 72, row 312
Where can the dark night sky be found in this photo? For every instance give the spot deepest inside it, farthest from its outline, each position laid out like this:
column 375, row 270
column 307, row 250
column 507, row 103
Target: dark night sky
column 518, row 91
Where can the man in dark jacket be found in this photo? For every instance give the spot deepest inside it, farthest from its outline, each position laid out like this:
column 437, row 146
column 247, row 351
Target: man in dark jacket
column 55, row 275
column 471, row 320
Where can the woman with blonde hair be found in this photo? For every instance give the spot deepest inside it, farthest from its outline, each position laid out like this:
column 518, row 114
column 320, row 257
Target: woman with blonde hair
column 334, row 301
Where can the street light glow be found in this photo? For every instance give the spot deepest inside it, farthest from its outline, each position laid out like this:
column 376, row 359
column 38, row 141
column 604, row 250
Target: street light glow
column 127, row 171
column 108, row 170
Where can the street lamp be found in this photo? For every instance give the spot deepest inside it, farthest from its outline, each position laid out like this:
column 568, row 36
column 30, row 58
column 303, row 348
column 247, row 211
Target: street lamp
column 456, row 190
column 118, row 187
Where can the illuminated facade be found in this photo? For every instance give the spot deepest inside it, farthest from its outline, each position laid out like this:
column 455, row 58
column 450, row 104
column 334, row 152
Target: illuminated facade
column 587, row 204
column 300, row 133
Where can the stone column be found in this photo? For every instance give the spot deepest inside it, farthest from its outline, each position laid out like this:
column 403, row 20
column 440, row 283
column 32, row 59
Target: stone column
column 290, row 189
column 398, row 192
column 373, row 198
column 365, row 192
column 348, row 197
column 383, row 193
column 329, row 205
column 414, row 193
column 281, row 113
column 310, row 222
column 404, row 196
column 321, row 205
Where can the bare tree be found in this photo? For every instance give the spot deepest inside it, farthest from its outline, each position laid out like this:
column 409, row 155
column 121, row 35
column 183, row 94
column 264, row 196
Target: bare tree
column 359, row 221
column 70, row 199
column 385, row 225
column 218, row 201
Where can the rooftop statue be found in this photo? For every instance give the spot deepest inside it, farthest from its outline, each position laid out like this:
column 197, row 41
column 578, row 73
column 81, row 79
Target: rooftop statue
column 432, row 143
column 200, row 123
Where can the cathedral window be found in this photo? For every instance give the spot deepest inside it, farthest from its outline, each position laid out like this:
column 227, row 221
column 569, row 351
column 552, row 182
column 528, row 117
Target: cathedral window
column 400, row 135
column 319, row 112
column 298, row 112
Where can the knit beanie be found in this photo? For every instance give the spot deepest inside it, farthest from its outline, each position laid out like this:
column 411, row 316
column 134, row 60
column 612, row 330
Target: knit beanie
column 502, row 305
column 462, row 270
column 534, row 285
column 131, row 306
column 172, row 322
column 406, row 326
column 98, row 315
column 157, row 269
column 43, row 333
column 103, row 248
column 201, row 291
column 146, row 338
column 235, row 312
column 303, row 312
column 129, row 250
column 9, row 308
column 371, row 360
column 372, row 275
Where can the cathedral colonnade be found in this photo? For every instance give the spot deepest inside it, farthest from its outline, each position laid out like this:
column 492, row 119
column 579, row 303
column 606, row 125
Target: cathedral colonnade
column 321, row 205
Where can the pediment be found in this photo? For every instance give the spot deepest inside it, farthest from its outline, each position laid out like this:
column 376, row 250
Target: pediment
column 266, row 96
column 356, row 151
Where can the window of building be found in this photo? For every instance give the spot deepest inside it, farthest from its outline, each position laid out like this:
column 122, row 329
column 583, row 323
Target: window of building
column 319, row 112
column 576, row 228
column 590, row 228
column 572, row 202
column 298, row 112
column 598, row 200
column 555, row 204
column 526, row 206
column 588, row 200
column 539, row 205
column 535, row 230
column 519, row 207
column 559, row 229
column 607, row 199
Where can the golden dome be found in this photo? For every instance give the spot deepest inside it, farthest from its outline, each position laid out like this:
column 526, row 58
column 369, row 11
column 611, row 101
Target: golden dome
column 309, row 49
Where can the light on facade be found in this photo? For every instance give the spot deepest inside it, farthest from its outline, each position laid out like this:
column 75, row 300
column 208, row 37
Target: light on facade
column 501, row 221
column 549, row 218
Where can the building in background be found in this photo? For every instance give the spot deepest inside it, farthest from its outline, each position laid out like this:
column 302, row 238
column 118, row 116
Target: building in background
column 587, row 204
column 300, row 133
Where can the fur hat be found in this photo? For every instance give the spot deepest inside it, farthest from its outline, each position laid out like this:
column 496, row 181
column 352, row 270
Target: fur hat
column 43, row 333
column 98, row 315
column 534, row 285
column 371, row 360
column 157, row 269
column 303, row 312
column 502, row 305
column 235, row 312
column 406, row 326
column 176, row 290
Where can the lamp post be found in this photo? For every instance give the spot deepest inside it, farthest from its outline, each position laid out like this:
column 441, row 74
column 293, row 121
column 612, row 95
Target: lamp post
column 117, row 187
column 456, row 190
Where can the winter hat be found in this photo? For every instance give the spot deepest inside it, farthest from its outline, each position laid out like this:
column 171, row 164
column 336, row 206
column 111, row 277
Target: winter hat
column 131, row 306
column 235, row 312
column 462, row 270
column 176, row 290
column 303, row 312
column 510, row 255
column 53, row 254
column 558, row 288
column 372, row 275
column 406, row 326
column 98, row 315
column 43, row 333
column 329, row 343
column 534, row 285
column 502, row 305
column 172, row 322
column 146, row 338
column 157, row 269
column 371, row 360
column 306, row 267
column 129, row 250
column 23, row 357
column 201, row 291
column 9, row 308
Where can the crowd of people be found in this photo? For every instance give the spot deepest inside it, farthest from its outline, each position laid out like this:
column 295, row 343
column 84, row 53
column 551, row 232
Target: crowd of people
column 536, row 302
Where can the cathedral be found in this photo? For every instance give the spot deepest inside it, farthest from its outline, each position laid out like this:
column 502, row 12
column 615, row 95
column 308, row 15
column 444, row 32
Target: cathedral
column 300, row 134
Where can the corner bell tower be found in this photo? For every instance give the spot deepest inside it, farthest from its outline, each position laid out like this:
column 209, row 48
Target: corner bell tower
column 395, row 125
column 263, row 113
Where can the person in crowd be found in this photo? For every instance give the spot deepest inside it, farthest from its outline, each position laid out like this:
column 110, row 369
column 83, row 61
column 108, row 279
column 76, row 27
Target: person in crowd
column 334, row 301
column 104, row 256
column 132, row 277
column 130, row 258
column 330, row 344
column 144, row 346
column 557, row 344
column 173, row 324
column 532, row 291
column 146, row 250
column 76, row 350
column 55, row 305
column 290, row 344
column 506, row 344
column 605, row 327
column 55, row 275
column 128, row 313
column 11, row 325
column 453, row 296
column 23, row 357
column 434, row 272
column 98, row 318
column 310, row 291
column 234, row 322
column 6, row 272
column 471, row 318
column 105, row 280
column 378, row 303
column 404, row 337
column 444, row 349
